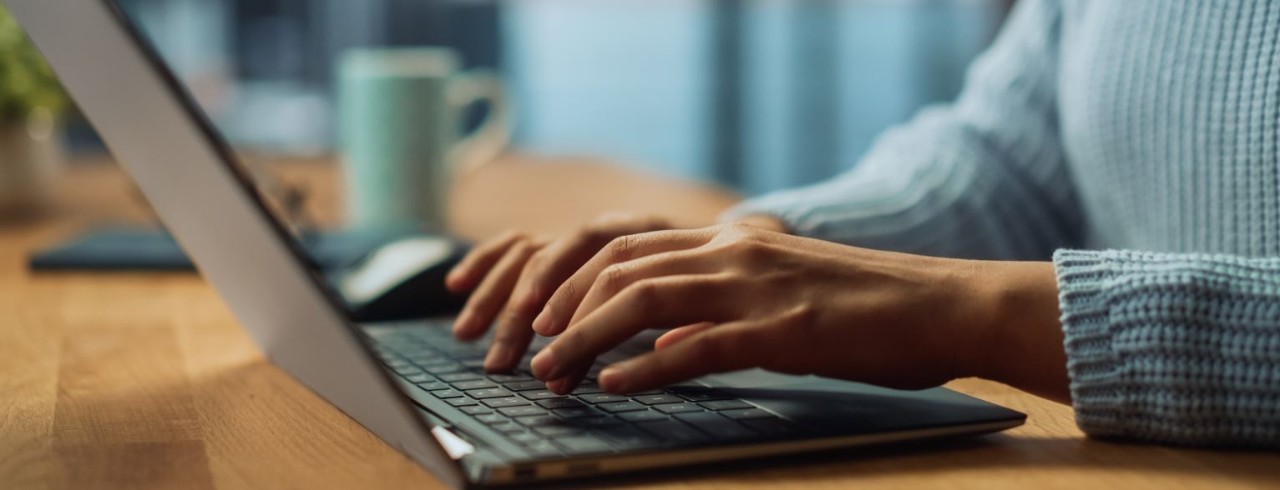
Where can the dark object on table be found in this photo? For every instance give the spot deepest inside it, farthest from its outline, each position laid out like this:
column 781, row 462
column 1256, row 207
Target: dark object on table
column 401, row 280
column 143, row 249
column 381, row 275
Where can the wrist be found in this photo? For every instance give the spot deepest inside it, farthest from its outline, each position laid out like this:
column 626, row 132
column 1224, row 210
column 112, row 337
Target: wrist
column 1017, row 339
column 767, row 222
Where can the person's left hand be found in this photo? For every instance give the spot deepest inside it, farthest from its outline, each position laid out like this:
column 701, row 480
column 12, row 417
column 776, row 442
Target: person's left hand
column 742, row 297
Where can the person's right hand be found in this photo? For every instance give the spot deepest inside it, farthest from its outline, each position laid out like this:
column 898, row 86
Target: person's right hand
column 512, row 277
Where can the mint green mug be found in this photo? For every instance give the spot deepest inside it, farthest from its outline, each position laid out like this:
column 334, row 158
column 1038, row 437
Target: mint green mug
column 401, row 135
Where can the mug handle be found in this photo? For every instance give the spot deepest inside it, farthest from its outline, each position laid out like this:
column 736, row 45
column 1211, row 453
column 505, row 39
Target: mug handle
column 492, row 136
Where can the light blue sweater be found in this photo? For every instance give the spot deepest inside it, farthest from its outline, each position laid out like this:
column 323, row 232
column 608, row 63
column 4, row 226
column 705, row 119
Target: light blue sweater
column 1140, row 139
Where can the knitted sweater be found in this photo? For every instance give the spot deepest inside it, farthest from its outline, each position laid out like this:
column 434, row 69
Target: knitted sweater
column 1140, row 139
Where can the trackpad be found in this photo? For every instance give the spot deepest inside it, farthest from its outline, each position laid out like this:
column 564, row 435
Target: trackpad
column 832, row 406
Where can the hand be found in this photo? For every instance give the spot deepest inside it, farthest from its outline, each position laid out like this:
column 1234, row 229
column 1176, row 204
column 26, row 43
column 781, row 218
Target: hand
column 511, row 278
column 742, row 297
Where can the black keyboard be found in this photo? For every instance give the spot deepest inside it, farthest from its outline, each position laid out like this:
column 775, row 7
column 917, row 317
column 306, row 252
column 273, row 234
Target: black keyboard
column 584, row 422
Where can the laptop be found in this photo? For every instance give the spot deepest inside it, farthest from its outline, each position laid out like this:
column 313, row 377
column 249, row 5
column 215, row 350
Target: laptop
column 411, row 383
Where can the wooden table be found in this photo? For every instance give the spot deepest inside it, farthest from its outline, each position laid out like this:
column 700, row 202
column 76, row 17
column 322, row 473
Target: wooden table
column 144, row 380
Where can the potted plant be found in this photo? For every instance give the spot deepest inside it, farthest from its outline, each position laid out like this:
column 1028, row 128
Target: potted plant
column 32, row 103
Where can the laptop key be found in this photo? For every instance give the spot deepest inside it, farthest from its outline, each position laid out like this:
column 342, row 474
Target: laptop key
column 461, row 401
column 576, row 412
column 429, row 360
column 474, row 385
column 444, row 369
column 433, row 385
column 643, row 393
column 627, row 406
column 645, row 416
column 419, row 377
column 447, row 393
column 593, row 422
column 522, row 410
column 538, row 420
column 658, row 399
column 690, row 387
column 507, row 378
column 564, row 402
column 525, row 385
column 476, row 410
column 431, row 364
column 538, row 394
column 460, row 376
column 602, row 398
column 509, row 401
column 587, row 387
column 673, row 430
column 585, row 444
column 488, row 393
column 491, row 418
column 747, row 413
column 712, row 423
column 705, row 395
column 678, row 407
column 726, row 405
column 558, row 430
column 408, row 370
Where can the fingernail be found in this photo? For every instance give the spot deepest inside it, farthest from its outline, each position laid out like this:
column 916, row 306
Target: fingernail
column 613, row 380
column 499, row 357
column 541, row 323
column 544, row 365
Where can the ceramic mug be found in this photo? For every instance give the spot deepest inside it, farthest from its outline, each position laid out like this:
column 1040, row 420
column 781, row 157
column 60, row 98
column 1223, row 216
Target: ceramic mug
column 401, row 131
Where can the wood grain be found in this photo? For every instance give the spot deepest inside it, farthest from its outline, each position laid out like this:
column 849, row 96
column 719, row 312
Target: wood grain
column 129, row 380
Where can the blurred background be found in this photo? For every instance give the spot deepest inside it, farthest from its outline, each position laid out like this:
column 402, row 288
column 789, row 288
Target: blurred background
column 756, row 95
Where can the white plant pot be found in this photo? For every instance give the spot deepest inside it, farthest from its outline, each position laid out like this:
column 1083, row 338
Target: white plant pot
column 30, row 161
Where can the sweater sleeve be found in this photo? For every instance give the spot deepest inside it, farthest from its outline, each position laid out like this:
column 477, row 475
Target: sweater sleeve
column 1173, row 348
column 983, row 177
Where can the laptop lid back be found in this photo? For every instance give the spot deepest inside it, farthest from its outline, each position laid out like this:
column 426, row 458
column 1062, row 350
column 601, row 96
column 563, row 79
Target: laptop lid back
column 207, row 201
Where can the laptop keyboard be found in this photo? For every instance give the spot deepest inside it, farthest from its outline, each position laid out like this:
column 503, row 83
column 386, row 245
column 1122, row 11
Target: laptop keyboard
column 587, row 421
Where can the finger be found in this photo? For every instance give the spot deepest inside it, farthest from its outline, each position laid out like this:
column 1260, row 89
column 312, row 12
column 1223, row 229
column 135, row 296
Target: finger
column 560, row 308
column 654, row 303
column 617, row 277
column 551, row 267
column 720, row 349
column 510, row 340
column 678, row 334
column 477, row 263
column 492, row 294
column 568, row 383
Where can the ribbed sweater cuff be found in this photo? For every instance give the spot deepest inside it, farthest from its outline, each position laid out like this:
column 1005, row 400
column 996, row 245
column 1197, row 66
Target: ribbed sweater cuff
column 1097, row 393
